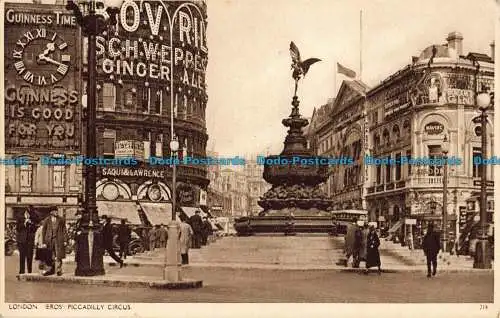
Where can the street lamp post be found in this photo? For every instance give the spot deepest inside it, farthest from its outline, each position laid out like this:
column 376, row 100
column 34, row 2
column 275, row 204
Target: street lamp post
column 445, row 148
column 93, row 22
column 172, row 272
column 483, row 255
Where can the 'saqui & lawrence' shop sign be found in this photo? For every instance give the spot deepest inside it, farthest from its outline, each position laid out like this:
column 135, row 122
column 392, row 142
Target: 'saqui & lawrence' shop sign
column 157, row 42
column 42, row 88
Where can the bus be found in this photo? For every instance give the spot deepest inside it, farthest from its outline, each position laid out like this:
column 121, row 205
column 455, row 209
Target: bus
column 345, row 217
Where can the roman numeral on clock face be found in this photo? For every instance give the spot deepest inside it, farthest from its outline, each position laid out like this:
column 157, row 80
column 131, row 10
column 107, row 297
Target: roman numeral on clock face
column 41, row 80
column 63, row 46
column 62, row 69
column 41, row 33
column 65, row 58
column 19, row 66
column 28, row 76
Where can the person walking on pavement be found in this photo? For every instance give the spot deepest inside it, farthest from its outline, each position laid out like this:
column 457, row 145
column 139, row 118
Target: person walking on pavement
column 107, row 238
column 197, row 227
column 431, row 246
column 152, row 238
column 364, row 242
column 25, row 236
column 186, row 234
column 349, row 241
column 207, row 231
column 53, row 236
column 163, row 236
column 124, row 234
column 372, row 253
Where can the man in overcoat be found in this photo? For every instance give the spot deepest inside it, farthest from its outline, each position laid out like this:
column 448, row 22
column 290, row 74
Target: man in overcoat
column 431, row 245
column 54, row 238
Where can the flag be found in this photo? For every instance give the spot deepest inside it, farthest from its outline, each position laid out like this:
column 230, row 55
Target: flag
column 346, row 71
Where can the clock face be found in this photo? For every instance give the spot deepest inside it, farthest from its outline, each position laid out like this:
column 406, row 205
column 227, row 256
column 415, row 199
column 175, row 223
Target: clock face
column 41, row 57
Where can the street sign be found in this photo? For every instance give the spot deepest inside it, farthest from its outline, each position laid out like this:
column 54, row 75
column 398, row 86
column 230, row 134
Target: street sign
column 488, row 183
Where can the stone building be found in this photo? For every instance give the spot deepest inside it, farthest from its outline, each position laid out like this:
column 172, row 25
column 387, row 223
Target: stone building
column 140, row 82
column 257, row 186
column 42, row 108
column 409, row 115
column 345, row 139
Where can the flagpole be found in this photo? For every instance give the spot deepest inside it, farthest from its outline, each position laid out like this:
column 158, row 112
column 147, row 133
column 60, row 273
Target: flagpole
column 360, row 44
column 335, row 79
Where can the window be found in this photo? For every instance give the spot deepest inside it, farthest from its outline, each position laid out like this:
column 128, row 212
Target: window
column 58, row 178
column 128, row 100
column 408, row 154
column 109, row 138
column 159, row 146
column 26, row 178
column 109, row 96
column 144, row 100
column 388, row 176
column 435, row 152
column 476, row 169
column 398, row 167
column 158, row 101
column 379, row 174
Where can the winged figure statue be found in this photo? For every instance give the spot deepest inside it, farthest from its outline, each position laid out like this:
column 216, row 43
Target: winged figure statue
column 299, row 67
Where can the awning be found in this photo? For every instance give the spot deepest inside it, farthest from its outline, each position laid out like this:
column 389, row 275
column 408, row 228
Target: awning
column 190, row 211
column 157, row 213
column 120, row 210
column 396, row 226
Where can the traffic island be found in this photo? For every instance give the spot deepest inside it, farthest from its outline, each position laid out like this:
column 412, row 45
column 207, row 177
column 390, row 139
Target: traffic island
column 113, row 281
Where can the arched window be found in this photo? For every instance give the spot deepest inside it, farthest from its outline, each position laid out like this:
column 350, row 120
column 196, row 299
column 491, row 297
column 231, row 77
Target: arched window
column 407, row 127
column 395, row 132
column 386, row 137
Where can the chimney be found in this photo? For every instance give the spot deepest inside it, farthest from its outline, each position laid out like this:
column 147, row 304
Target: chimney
column 455, row 42
column 414, row 59
column 492, row 46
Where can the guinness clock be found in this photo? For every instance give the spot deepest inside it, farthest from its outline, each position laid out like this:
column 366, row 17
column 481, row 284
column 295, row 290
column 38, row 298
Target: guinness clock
column 41, row 57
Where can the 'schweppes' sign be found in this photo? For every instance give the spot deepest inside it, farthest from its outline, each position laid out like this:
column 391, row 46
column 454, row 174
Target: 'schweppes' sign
column 434, row 128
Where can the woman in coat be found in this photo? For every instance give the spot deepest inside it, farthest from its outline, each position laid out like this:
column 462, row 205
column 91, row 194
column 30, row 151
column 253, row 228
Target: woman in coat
column 372, row 253
column 364, row 242
column 185, row 236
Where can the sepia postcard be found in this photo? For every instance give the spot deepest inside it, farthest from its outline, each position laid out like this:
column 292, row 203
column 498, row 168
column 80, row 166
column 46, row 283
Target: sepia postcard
column 233, row 158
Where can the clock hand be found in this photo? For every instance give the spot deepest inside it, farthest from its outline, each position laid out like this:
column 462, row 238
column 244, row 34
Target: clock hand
column 48, row 59
column 50, row 48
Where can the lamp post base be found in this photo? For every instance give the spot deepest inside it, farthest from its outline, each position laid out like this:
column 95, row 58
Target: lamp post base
column 172, row 271
column 89, row 253
column 482, row 259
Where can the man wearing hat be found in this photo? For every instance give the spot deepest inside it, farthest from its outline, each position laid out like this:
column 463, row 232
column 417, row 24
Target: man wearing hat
column 197, row 225
column 53, row 233
column 107, row 237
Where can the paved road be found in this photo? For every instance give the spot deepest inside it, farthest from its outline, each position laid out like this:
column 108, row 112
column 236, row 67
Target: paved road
column 237, row 285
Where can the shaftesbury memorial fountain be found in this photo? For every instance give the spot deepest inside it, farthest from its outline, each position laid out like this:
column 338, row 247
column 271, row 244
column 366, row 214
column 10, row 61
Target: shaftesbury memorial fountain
column 295, row 202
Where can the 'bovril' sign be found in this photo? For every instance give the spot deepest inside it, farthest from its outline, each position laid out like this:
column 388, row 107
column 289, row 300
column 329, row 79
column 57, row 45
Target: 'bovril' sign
column 434, row 128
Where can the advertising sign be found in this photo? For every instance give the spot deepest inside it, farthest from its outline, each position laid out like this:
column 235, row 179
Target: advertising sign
column 434, row 128
column 163, row 44
column 42, row 109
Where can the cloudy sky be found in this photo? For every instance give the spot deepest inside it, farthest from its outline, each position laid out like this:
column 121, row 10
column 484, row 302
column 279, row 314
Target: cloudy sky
column 249, row 77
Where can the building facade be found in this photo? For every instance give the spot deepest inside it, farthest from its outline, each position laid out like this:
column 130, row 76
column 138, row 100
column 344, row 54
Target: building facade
column 346, row 140
column 256, row 184
column 42, row 108
column 149, row 66
column 147, row 69
column 409, row 115
column 218, row 200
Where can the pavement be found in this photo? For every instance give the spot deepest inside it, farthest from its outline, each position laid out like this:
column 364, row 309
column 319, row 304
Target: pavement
column 235, row 285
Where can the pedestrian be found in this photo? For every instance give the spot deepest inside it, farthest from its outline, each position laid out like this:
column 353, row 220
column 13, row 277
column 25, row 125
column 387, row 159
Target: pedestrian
column 163, row 236
column 431, row 246
column 372, row 253
column 206, row 231
column 186, row 235
column 41, row 254
column 53, row 236
column 107, row 238
column 197, row 225
column 152, row 238
column 158, row 236
column 349, row 241
column 364, row 242
column 124, row 234
column 25, row 236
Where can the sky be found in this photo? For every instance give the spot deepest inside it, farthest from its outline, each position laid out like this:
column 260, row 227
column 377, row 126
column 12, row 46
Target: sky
column 249, row 77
